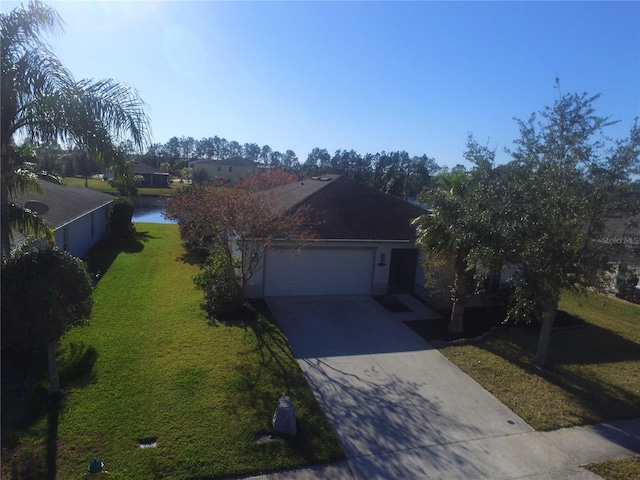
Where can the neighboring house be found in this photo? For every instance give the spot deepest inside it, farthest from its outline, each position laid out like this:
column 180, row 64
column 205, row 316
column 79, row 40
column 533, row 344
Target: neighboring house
column 153, row 178
column 78, row 215
column 622, row 238
column 364, row 243
column 225, row 171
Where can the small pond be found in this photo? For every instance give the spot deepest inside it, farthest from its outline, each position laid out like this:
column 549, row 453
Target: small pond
column 150, row 210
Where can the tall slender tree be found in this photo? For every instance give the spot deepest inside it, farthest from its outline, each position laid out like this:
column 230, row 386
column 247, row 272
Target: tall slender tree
column 554, row 197
column 41, row 100
column 445, row 234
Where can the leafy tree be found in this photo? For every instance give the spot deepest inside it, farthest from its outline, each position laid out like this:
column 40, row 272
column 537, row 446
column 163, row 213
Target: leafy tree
column 45, row 292
column 84, row 165
column 235, row 224
column 265, row 155
column 290, row 160
column 406, row 176
column 200, row 176
column 127, row 182
column 205, row 149
column 551, row 202
column 235, row 149
column 266, row 180
column 317, row 162
column 251, row 151
column 41, row 100
column 187, row 148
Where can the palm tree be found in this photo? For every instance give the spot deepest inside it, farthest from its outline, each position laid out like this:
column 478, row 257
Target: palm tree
column 42, row 101
column 445, row 233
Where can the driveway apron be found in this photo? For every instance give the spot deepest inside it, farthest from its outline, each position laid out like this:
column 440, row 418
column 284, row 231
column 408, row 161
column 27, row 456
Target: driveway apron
column 398, row 407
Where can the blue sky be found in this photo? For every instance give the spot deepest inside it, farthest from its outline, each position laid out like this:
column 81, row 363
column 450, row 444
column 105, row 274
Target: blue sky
column 367, row 76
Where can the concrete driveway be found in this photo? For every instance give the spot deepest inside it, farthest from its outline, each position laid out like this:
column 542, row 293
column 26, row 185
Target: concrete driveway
column 398, row 407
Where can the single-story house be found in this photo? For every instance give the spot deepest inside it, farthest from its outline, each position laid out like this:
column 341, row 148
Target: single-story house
column 364, row 243
column 153, row 178
column 78, row 215
column 226, row 171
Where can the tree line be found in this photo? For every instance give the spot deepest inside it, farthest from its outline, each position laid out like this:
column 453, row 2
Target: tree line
column 395, row 172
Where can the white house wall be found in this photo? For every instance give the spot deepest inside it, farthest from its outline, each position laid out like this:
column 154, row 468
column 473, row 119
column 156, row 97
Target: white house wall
column 79, row 235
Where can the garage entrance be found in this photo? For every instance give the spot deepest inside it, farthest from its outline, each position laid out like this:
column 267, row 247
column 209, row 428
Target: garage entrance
column 319, row 271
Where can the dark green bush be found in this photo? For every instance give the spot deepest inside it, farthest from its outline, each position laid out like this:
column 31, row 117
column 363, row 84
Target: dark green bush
column 121, row 215
column 222, row 288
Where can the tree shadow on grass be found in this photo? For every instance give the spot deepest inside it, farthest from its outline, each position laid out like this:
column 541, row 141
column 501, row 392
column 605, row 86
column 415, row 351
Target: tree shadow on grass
column 569, row 351
column 100, row 257
column 75, row 364
column 25, row 402
column 278, row 368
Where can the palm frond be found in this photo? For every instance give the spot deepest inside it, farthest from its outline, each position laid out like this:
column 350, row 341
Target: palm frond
column 25, row 181
column 28, row 223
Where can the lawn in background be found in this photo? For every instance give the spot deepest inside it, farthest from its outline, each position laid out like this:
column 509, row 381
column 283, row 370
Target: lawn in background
column 150, row 369
column 103, row 186
column 595, row 370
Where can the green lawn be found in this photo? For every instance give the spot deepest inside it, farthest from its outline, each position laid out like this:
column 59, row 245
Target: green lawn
column 105, row 187
column 595, row 375
column 150, row 367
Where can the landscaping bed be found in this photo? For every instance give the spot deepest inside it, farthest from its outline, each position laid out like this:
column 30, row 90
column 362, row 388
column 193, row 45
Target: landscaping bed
column 480, row 321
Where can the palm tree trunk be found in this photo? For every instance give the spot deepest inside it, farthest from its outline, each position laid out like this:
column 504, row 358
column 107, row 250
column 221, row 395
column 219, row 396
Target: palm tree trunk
column 461, row 286
column 456, row 324
column 54, row 381
column 6, row 176
column 548, row 318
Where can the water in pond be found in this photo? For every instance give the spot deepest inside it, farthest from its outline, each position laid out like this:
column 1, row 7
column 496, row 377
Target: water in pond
column 150, row 210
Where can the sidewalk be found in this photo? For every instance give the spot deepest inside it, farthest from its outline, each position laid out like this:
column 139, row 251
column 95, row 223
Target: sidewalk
column 584, row 445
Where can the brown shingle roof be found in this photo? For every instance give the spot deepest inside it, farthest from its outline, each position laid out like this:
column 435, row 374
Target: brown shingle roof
column 347, row 210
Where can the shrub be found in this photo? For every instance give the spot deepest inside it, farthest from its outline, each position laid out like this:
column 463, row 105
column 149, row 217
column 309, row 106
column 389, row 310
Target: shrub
column 121, row 215
column 221, row 286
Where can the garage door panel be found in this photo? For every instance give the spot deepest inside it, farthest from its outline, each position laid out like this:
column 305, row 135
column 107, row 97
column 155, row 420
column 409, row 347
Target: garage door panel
column 319, row 272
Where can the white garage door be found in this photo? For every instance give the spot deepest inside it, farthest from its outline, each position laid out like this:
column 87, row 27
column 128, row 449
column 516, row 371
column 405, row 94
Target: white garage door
column 318, row 272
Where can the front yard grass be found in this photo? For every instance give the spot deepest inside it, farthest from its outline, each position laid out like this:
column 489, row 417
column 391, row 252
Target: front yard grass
column 621, row 469
column 149, row 368
column 595, row 374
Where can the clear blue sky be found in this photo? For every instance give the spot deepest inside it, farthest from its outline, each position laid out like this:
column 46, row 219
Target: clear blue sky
column 367, row 76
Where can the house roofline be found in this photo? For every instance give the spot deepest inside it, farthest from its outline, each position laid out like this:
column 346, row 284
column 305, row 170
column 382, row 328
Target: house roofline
column 62, row 225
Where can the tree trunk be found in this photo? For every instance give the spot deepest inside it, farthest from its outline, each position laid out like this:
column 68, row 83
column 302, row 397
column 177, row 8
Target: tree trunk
column 459, row 294
column 54, row 381
column 6, row 177
column 548, row 318
column 456, row 324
